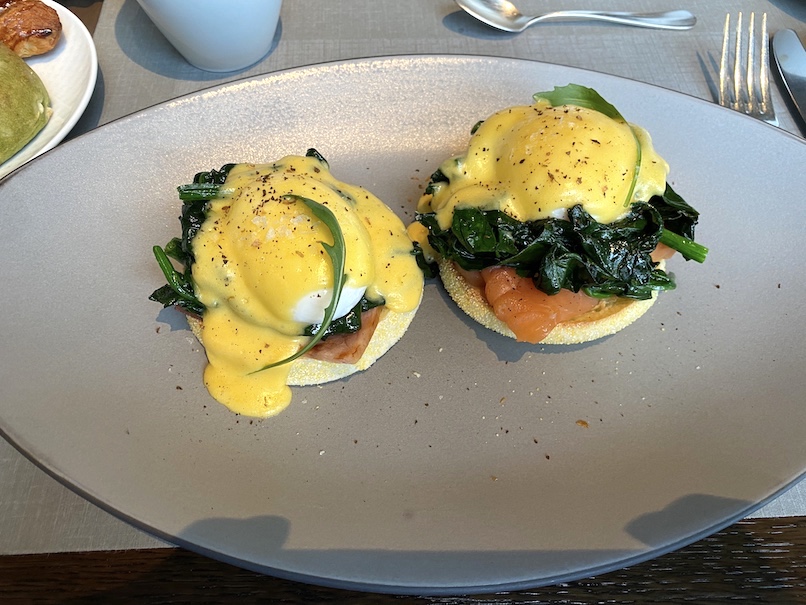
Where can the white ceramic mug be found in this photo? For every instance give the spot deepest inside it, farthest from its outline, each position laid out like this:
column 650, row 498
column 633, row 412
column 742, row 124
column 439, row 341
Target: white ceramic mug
column 217, row 35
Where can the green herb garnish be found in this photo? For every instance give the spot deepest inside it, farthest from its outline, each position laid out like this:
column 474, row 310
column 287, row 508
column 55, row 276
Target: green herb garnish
column 337, row 254
column 580, row 96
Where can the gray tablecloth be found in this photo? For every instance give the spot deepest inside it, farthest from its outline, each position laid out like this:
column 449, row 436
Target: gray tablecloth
column 138, row 68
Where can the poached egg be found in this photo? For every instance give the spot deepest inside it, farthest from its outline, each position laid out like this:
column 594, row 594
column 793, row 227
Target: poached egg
column 535, row 161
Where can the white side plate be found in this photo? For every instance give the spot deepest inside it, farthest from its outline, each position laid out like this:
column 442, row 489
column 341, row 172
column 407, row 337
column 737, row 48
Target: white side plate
column 68, row 72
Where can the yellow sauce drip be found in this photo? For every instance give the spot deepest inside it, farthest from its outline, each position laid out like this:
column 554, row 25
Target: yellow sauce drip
column 534, row 162
column 258, row 254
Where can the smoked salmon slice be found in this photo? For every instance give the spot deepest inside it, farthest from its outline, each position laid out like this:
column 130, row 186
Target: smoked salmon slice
column 348, row 348
column 530, row 313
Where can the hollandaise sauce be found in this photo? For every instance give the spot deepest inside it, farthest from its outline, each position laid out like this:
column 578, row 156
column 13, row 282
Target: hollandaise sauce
column 535, row 161
column 263, row 274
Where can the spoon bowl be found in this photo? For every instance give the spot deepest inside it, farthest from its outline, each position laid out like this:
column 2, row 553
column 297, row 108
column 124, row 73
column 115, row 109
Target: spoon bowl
column 504, row 15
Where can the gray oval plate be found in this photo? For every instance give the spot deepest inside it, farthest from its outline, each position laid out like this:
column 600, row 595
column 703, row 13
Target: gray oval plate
column 462, row 461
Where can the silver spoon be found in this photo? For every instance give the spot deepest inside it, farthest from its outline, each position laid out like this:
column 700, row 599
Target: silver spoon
column 504, row 15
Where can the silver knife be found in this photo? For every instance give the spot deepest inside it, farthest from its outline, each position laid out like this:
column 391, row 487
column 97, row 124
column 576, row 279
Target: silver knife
column 790, row 57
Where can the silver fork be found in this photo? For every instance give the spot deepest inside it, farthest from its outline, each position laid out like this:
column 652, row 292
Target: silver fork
column 745, row 86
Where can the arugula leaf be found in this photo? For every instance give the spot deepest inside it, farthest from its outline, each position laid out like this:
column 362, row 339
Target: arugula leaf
column 337, row 254
column 581, row 96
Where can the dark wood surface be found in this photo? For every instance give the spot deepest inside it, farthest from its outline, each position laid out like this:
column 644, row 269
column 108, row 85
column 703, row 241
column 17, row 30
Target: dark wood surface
column 753, row 561
column 86, row 10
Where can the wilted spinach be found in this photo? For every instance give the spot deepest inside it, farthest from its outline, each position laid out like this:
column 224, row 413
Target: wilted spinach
column 577, row 253
column 195, row 196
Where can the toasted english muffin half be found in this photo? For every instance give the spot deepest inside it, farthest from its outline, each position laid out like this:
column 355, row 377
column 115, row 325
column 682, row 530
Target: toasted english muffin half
column 608, row 317
column 307, row 371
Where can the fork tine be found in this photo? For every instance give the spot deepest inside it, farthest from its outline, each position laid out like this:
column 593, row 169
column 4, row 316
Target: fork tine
column 750, row 68
column 738, row 58
column 744, row 80
column 723, row 64
column 764, row 71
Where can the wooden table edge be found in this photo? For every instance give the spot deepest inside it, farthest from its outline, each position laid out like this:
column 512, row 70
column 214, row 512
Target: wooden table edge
column 760, row 560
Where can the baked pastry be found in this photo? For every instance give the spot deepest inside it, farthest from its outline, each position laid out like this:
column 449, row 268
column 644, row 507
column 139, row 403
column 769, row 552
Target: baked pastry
column 29, row 27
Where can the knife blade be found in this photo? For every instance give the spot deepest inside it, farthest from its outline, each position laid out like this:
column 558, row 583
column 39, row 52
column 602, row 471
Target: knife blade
column 790, row 56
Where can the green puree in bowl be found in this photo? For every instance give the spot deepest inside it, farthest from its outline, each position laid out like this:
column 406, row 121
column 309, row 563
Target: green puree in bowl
column 24, row 103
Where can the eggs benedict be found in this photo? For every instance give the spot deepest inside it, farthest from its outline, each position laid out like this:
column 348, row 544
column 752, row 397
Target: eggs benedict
column 291, row 277
column 555, row 224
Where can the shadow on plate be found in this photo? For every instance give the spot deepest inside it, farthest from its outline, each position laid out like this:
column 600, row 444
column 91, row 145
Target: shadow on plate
column 264, row 537
column 175, row 320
